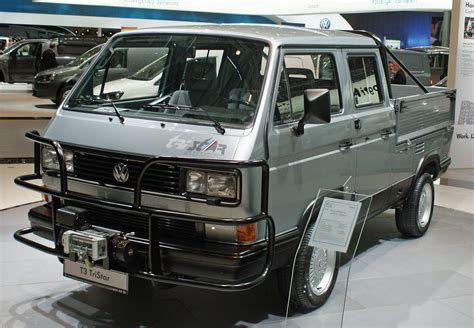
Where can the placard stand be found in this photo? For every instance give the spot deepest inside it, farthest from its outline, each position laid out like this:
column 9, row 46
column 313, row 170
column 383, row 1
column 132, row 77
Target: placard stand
column 320, row 271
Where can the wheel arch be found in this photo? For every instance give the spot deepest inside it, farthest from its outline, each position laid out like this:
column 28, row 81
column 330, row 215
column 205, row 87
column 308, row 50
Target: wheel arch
column 305, row 217
column 430, row 165
column 64, row 84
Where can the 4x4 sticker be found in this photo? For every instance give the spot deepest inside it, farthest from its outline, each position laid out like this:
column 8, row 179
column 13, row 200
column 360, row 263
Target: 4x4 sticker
column 208, row 145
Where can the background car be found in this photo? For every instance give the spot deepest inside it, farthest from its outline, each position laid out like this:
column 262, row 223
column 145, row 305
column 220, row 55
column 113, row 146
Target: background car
column 143, row 83
column 21, row 62
column 55, row 83
column 439, row 58
column 418, row 64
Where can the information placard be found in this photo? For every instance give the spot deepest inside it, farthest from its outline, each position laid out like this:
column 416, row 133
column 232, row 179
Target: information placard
column 335, row 224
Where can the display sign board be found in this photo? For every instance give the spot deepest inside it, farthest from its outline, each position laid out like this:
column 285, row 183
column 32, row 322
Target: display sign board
column 392, row 44
column 335, row 224
column 463, row 139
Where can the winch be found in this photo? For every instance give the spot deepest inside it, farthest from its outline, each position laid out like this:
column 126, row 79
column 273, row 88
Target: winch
column 90, row 244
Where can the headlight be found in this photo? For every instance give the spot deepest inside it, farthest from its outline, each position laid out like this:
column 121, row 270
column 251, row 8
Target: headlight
column 46, row 78
column 49, row 160
column 195, row 182
column 222, row 185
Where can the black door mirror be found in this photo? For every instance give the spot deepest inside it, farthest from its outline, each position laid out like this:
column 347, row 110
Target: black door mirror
column 317, row 109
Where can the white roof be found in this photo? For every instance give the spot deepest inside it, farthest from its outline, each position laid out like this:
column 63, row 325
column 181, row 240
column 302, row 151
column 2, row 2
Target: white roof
column 275, row 34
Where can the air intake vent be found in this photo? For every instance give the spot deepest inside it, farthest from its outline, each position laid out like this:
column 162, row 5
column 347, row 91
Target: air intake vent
column 420, row 148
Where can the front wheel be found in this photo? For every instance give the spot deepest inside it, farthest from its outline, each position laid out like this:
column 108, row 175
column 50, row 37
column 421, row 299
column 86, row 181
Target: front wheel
column 314, row 277
column 414, row 218
column 62, row 94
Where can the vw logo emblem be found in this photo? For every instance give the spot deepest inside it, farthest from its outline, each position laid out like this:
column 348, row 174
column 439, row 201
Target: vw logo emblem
column 325, row 23
column 121, row 173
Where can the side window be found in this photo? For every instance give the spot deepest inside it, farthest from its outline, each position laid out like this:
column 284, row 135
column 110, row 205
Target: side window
column 27, row 50
column 365, row 80
column 283, row 108
column 306, row 71
column 326, row 78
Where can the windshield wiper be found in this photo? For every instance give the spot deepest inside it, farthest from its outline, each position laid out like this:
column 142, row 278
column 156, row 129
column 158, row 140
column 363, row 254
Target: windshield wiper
column 121, row 118
column 217, row 125
column 99, row 101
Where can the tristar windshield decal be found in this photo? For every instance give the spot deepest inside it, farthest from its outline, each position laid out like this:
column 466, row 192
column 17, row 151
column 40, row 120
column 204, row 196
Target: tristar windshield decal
column 209, row 145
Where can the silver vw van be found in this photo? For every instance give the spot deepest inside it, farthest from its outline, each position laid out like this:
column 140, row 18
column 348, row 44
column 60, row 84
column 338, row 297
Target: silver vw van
column 207, row 177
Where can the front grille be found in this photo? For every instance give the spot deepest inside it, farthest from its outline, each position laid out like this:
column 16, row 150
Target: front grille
column 159, row 178
column 139, row 224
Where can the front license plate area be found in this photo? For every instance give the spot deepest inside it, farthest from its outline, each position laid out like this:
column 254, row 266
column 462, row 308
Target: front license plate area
column 109, row 279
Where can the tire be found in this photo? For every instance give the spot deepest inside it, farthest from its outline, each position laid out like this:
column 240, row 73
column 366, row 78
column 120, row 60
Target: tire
column 55, row 101
column 312, row 284
column 414, row 218
column 62, row 94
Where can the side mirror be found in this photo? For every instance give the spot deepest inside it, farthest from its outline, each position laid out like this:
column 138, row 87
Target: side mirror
column 111, row 96
column 317, row 109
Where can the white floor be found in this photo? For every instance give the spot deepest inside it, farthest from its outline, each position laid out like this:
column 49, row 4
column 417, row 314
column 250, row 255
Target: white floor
column 394, row 282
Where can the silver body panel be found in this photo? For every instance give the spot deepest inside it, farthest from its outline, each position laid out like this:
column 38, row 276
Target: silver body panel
column 299, row 165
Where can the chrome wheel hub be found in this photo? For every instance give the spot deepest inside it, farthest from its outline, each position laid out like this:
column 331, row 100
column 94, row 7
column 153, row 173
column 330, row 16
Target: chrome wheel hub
column 424, row 206
column 321, row 270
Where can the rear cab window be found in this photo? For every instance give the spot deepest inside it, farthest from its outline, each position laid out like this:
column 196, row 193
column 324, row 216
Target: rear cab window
column 365, row 80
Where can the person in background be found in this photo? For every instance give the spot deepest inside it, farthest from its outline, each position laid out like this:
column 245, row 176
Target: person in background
column 397, row 76
column 48, row 59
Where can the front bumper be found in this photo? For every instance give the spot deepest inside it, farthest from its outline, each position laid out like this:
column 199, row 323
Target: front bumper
column 177, row 261
column 229, row 264
column 45, row 90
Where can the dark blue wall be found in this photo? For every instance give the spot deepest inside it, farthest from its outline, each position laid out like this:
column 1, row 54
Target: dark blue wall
column 28, row 6
column 412, row 28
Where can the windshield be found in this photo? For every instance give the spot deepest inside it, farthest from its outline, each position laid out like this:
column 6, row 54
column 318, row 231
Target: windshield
column 85, row 56
column 176, row 77
column 13, row 46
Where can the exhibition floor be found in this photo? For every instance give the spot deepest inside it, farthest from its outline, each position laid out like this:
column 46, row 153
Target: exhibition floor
column 394, row 282
column 20, row 112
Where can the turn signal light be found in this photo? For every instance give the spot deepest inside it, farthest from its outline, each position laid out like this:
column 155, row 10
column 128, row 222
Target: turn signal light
column 246, row 233
column 45, row 196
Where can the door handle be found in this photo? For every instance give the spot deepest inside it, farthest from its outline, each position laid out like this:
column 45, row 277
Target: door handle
column 385, row 135
column 345, row 146
column 357, row 124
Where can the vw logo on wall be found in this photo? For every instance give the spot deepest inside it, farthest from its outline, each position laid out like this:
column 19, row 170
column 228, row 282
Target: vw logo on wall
column 325, row 23
column 121, row 173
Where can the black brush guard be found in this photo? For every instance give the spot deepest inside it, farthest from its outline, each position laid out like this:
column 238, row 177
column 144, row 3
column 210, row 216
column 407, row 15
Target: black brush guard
column 154, row 264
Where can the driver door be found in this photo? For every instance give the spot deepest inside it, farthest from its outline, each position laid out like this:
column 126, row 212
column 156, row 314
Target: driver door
column 23, row 62
column 319, row 158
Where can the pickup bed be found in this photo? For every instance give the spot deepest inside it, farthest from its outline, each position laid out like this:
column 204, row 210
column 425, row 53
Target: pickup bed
column 208, row 179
